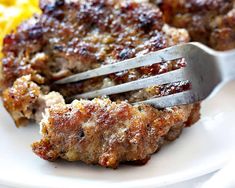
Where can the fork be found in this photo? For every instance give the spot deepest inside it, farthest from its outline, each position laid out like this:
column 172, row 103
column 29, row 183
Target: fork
column 206, row 70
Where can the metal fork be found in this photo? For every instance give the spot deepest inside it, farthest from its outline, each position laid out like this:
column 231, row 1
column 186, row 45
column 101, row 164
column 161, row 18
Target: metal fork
column 207, row 70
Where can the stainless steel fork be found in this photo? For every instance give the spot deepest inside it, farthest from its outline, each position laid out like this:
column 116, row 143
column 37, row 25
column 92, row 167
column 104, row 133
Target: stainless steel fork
column 207, row 70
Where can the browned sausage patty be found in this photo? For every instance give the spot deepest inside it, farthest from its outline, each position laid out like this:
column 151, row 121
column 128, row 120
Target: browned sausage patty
column 107, row 133
column 209, row 21
column 73, row 37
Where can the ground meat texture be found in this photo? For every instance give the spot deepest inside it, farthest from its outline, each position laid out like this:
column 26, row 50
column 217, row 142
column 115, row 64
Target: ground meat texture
column 71, row 37
column 208, row 21
column 25, row 100
column 20, row 99
column 107, row 133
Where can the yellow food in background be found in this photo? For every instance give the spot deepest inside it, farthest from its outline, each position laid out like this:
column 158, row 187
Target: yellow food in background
column 13, row 12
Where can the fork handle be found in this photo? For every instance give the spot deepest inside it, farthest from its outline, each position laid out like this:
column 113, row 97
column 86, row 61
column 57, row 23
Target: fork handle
column 227, row 65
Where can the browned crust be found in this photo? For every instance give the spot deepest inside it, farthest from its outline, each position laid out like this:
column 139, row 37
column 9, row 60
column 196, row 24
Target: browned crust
column 20, row 99
column 208, row 21
column 107, row 133
column 92, row 34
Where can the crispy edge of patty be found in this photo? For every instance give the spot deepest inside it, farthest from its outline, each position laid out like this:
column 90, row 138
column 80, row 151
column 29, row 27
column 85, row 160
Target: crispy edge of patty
column 25, row 100
column 108, row 133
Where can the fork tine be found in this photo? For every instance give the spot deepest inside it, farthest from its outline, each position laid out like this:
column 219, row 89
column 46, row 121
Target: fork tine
column 166, row 54
column 169, row 77
column 182, row 98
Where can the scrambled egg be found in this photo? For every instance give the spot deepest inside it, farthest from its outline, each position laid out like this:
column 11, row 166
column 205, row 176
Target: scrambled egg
column 13, row 12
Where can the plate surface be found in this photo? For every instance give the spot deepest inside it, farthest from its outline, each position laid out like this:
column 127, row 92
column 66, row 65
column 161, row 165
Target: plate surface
column 201, row 149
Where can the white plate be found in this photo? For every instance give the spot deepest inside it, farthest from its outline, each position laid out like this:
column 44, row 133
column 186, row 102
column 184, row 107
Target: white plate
column 201, row 149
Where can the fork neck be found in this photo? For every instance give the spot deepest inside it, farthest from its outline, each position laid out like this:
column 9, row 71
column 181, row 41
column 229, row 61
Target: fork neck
column 227, row 64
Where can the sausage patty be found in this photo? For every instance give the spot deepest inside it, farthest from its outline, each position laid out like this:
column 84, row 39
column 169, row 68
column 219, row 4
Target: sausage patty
column 211, row 22
column 71, row 37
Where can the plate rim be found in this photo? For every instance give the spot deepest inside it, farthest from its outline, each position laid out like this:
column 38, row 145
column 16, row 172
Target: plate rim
column 186, row 175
